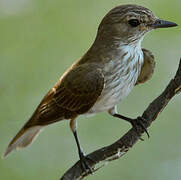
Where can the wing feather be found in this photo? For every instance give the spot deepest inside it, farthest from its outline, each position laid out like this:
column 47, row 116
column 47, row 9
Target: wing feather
column 75, row 94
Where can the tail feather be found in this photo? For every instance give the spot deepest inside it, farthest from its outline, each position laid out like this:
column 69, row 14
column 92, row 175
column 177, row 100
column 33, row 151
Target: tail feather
column 24, row 138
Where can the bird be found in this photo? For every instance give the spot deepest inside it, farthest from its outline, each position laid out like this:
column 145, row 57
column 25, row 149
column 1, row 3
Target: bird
column 101, row 78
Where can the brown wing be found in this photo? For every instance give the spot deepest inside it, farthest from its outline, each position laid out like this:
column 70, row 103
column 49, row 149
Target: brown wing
column 75, row 94
column 147, row 68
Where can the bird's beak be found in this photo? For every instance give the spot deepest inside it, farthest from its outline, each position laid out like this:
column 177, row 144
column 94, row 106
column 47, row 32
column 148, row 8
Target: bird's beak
column 159, row 23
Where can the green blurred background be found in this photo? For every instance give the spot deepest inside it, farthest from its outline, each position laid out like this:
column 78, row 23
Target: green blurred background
column 39, row 40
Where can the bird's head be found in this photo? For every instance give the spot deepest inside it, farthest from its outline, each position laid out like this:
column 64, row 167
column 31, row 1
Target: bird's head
column 129, row 23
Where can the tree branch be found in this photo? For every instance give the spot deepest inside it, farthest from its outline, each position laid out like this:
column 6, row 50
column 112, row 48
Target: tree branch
column 120, row 147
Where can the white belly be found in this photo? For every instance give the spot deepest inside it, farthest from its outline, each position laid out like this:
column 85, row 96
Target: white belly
column 120, row 78
column 112, row 96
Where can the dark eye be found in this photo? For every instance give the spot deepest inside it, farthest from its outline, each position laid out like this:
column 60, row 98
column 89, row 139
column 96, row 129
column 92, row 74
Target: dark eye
column 134, row 22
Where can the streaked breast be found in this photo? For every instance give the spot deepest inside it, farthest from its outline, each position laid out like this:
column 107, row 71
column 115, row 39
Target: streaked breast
column 120, row 77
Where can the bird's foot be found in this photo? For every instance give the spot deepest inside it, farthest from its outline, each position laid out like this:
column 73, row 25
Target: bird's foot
column 139, row 122
column 136, row 123
column 86, row 163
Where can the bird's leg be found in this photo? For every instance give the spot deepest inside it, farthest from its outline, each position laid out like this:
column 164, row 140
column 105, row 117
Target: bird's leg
column 134, row 122
column 137, row 122
column 83, row 159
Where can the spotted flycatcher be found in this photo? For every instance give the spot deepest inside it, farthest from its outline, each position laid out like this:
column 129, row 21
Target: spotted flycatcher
column 102, row 78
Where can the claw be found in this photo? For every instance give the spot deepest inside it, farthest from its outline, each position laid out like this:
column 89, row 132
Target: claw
column 85, row 163
column 139, row 122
